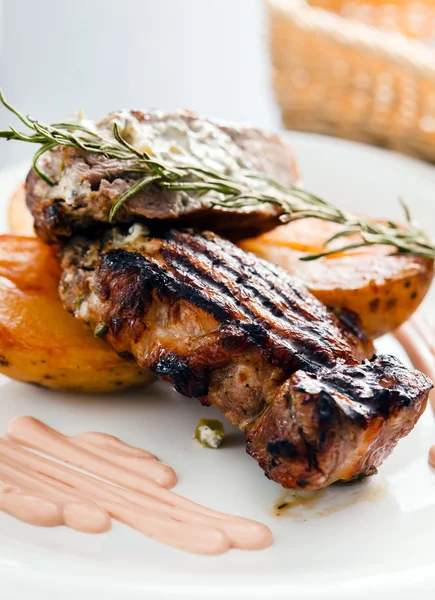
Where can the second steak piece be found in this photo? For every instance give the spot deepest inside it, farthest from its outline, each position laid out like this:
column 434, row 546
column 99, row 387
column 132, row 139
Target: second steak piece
column 230, row 329
column 86, row 186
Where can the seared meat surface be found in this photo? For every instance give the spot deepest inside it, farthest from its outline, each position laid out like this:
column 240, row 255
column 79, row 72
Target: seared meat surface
column 338, row 424
column 241, row 334
column 87, row 185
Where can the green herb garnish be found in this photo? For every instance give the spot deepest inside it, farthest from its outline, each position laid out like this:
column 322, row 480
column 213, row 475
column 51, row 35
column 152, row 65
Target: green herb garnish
column 248, row 190
column 209, row 433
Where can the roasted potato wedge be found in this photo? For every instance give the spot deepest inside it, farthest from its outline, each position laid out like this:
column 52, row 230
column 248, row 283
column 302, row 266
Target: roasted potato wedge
column 380, row 289
column 19, row 216
column 39, row 341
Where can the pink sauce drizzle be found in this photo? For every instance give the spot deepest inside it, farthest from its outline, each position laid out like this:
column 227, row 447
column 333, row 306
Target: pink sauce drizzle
column 412, row 337
column 418, row 341
column 42, row 492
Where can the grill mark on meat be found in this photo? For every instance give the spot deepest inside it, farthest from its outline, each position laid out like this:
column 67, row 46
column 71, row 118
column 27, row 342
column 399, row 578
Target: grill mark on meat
column 272, row 297
column 152, row 275
column 186, row 260
column 368, row 381
column 190, row 288
column 263, row 272
column 257, row 333
column 273, row 275
column 310, row 326
column 269, row 309
column 182, row 304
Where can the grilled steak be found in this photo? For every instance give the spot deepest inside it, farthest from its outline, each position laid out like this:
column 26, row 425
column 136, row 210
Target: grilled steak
column 338, row 424
column 87, row 185
column 239, row 333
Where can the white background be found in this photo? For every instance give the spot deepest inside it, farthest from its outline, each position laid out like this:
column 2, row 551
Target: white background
column 101, row 55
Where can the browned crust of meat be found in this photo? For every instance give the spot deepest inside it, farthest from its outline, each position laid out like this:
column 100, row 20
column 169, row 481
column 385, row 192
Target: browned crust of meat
column 243, row 335
column 252, row 300
column 97, row 182
column 344, row 421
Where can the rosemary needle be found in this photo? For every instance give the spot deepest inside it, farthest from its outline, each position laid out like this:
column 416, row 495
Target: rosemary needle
column 247, row 190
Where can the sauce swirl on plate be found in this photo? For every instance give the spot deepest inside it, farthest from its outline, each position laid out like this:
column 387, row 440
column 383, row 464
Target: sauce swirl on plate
column 418, row 340
column 43, row 492
column 415, row 336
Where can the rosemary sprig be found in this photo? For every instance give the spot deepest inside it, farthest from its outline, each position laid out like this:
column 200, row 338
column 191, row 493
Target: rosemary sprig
column 241, row 191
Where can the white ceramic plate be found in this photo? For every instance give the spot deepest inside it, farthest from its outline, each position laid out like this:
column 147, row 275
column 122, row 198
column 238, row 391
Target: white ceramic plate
column 370, row 540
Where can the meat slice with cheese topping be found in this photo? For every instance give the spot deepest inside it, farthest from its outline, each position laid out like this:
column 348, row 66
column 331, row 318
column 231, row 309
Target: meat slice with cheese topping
column 86, row 185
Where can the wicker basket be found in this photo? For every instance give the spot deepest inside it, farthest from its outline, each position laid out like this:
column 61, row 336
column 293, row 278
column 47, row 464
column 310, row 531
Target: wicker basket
column 362, row 70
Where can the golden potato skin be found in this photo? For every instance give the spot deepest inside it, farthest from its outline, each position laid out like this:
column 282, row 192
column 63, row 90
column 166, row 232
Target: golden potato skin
column 39, row 341
column 19, row 216
column 382, row 290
